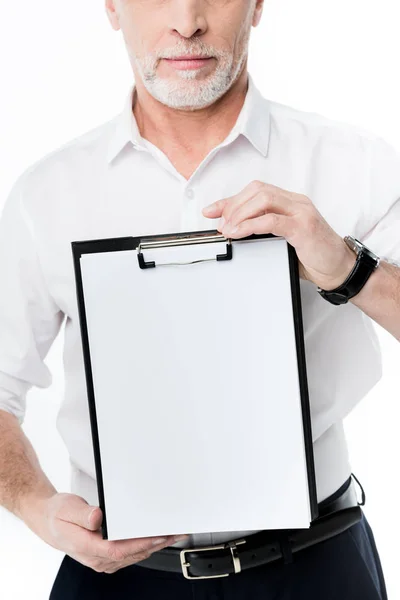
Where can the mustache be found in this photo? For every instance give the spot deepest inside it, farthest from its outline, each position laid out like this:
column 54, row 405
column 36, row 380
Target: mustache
column 195, row 49
column 175, row 54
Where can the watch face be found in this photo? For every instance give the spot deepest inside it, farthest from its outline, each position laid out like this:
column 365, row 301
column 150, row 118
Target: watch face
column 352, row 243
column 358, row 246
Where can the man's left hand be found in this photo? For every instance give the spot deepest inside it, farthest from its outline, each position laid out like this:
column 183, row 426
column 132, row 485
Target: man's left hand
column 324, row 257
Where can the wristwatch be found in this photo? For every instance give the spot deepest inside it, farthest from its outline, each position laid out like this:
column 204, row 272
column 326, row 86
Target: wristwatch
column 366, row 263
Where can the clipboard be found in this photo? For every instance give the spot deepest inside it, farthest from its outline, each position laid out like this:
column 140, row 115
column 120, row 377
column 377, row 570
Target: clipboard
column 196, row 379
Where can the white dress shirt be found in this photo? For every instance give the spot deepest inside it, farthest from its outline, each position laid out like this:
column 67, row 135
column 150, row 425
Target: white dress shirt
column 111, row 182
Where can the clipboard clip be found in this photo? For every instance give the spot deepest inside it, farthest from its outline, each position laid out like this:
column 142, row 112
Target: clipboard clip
column 181, row 241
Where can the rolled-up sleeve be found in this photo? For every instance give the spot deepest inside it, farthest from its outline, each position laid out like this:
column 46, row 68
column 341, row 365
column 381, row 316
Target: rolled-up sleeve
column 29, row 318
column 381, row 222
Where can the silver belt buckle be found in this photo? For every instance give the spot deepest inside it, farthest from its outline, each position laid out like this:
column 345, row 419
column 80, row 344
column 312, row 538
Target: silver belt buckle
column 235, row 558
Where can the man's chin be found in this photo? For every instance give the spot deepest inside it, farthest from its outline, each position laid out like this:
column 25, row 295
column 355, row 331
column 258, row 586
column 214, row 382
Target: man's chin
column 174, row 100
column 177, row 92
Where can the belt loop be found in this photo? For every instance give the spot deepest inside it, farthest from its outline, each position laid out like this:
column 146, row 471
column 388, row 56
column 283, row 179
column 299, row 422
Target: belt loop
column 286, row 548
column 362, row 492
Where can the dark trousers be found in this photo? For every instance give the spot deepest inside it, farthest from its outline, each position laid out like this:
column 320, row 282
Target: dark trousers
column 345, row 567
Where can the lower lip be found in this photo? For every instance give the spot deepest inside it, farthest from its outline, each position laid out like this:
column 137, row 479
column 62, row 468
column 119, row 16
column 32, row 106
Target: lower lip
column 188, row 64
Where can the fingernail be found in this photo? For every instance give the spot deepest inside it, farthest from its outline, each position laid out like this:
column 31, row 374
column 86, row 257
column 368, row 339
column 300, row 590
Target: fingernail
column 181, row 537
column 230, row 229
column 159, row 541
column 90, row 514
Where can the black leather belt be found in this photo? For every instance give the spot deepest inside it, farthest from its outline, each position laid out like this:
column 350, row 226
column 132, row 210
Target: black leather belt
column 262, row 547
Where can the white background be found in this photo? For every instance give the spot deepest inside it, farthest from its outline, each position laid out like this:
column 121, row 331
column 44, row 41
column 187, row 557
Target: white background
column 64, row 71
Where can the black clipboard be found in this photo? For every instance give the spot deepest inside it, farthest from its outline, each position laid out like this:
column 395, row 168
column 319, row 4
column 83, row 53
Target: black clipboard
column 140, row 243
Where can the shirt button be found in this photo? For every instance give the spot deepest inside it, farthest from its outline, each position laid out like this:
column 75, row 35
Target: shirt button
column 190, row 193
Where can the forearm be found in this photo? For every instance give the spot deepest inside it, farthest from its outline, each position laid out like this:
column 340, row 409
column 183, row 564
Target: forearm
column 380, row 297
column 22, row 481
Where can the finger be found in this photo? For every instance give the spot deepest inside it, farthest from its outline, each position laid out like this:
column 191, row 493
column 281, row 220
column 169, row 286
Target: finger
column 215, row 209
column 111, row 565
column 95, row 519
column 76, row 510
column 76, row 539
column 134, row 558
column 95, row 563
column 279, row 225
column 227, row 205
column 131, row 547
column 122, row 549
column 261, row 204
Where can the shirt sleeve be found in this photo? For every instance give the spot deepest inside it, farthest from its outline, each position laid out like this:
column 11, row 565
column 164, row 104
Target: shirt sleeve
column 381, row 220
column 29, row 318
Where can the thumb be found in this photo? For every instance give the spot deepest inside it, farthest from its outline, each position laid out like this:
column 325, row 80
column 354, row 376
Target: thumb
column 94, row 517
column 76, row 509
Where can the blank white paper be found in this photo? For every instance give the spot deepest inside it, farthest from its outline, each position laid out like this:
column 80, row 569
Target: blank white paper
column 197, row 389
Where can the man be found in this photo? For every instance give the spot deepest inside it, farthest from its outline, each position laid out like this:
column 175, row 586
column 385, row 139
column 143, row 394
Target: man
column 193, row 133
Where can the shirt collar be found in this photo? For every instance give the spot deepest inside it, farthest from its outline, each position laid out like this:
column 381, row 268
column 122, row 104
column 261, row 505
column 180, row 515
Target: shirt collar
column 253, row 122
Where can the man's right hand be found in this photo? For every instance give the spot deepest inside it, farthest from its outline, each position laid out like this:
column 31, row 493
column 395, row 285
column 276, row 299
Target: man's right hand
column 67, row 522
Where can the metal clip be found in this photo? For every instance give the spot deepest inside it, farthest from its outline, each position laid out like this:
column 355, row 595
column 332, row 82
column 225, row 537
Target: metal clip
column 182, row 241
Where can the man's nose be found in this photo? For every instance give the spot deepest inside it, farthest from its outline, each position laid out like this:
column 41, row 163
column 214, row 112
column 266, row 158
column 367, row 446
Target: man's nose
column 188, row 18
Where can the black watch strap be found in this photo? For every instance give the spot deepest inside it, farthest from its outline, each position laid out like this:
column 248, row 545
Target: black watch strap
column 355, row 281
